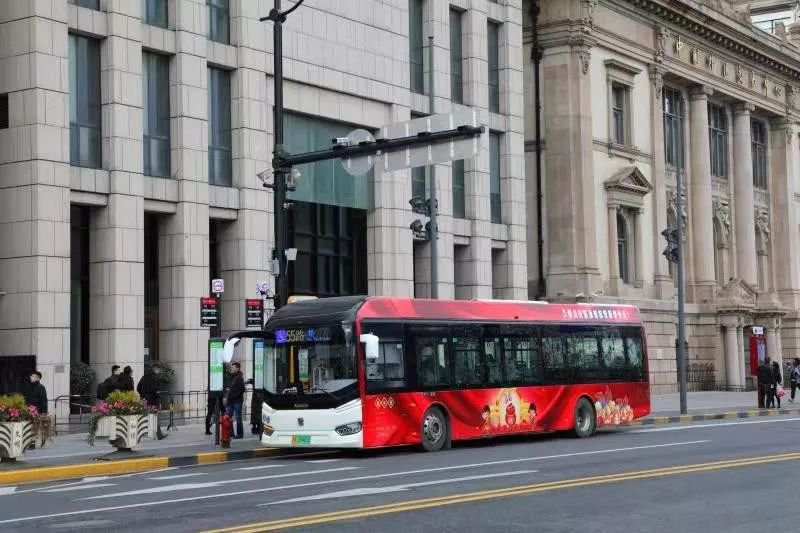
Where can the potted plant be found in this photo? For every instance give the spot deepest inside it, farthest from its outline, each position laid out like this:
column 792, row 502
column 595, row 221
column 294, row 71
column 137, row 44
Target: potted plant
column 123, row 418
column 16, row 426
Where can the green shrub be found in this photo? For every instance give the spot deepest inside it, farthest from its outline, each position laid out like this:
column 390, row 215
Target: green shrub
column 81, row 377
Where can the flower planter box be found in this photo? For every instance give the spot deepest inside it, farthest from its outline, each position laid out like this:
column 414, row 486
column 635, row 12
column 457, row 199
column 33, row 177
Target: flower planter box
column 15, row 437
column 125, row 432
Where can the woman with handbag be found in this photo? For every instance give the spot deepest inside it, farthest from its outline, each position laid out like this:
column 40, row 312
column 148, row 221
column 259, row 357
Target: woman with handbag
column 776, row 386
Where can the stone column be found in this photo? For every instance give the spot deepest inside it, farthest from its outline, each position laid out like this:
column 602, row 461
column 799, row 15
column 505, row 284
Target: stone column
column 117, row 259
column 35, row 189
column 702, row 278
column 614, row 281
column 638, row 243
column 785, row 257
column 731, row 353
column 246, row 243
column 184, row 276
column 740, row 342
column 743, row 182
column 663, row 282
column 773, row 340
column 571, row 191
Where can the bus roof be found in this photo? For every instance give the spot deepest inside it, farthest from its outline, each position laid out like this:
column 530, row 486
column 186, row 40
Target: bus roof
column 347, row 308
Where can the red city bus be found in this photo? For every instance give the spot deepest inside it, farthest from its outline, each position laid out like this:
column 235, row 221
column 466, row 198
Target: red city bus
column 365, row 372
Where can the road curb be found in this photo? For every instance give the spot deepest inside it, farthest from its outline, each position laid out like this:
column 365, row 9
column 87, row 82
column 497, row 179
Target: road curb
column 730, row 415
column 127, row 466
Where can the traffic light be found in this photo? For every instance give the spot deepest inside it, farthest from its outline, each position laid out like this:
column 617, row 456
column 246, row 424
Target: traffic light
column 673, row 249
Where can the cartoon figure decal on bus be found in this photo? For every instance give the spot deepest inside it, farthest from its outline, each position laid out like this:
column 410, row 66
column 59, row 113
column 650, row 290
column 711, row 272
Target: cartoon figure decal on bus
column 510, row 412
column 611, row 412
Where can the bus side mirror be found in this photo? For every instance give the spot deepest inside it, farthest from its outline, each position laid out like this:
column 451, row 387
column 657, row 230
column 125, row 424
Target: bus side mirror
column 229, row 348
column 370, row 342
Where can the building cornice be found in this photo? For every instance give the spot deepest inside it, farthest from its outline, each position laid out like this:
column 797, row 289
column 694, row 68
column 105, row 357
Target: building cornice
column 720, row 35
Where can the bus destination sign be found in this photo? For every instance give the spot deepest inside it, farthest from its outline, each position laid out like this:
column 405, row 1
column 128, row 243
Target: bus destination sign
column 299, row 336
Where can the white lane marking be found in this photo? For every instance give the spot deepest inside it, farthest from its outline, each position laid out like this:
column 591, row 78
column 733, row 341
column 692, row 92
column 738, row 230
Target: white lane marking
column 79, row 487
column 259, row 467
column 7, row 490
column 318, row 461
column 714, row 425
column 82, row 524
column 178, row 476
column 214, row 484
column 317, row 483
column 366, row 491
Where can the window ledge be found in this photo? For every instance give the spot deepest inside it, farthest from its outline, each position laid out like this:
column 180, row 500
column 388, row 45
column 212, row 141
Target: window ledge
column 624, row 151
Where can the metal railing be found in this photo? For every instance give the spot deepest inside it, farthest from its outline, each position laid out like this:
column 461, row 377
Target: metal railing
column 73, row 413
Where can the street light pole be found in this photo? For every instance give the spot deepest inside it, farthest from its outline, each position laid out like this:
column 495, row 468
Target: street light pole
column 280, row 172
column 434, row 231
column 681, row 296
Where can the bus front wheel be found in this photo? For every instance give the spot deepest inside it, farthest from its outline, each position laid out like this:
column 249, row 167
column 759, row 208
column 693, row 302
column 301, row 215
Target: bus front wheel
column 585, row 420
column 435, row 430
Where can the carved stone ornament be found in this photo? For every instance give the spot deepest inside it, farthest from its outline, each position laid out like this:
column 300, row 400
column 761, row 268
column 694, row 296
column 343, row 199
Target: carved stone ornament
column 588, row 12
column 765, row 85
column 723, row 217
column 672, row 207
column 678, row 45
column 694, row 56
column 789, row 130
column 752, row 80
column 778, row 90
column 739, row 74
column 584, row 56
column 661, row 44
column 710, row 61
column 762, row 230
column 724, row 69
column 658, row 82
column 793, row 96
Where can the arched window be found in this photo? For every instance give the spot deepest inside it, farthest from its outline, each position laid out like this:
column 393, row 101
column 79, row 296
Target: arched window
column 623, row 243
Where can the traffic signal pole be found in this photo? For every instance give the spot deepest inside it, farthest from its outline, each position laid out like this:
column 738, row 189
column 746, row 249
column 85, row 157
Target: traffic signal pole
column 681, row 294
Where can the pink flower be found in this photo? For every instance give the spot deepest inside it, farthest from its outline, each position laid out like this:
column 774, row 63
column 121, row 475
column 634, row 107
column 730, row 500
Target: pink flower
column 14, row 413
column 32, row 410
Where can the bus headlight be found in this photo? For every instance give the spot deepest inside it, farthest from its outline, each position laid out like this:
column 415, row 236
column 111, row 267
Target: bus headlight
column 349, row 429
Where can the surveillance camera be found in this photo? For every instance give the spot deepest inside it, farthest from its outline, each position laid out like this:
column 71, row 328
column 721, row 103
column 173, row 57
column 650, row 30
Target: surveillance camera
column 265, row 176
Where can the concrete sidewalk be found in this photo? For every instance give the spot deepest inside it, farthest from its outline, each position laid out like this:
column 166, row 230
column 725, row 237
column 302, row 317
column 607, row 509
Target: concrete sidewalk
column 706, row 402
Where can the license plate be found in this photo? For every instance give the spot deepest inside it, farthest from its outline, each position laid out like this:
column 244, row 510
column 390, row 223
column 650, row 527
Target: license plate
column 301, row 439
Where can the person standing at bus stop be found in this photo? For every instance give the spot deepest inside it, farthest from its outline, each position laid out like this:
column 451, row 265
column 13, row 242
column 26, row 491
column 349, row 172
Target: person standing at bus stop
column 236, row 398
column 764, row 382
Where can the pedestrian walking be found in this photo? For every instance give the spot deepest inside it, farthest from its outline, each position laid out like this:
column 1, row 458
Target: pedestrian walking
column 148, row 390
column 255, row 410
column 776, row 385
column 110, row 384
column 764, row 381
column 213, row 404
column 794, row 377
column 126, row 380
column 236, row 398
column 36, row 395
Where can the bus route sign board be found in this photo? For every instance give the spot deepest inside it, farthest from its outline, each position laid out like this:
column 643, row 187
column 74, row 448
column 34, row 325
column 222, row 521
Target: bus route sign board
column 209, row 312
column 254, row 313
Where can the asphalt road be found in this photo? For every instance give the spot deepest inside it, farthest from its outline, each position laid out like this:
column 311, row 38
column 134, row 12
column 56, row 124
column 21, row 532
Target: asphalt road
column 739, row 475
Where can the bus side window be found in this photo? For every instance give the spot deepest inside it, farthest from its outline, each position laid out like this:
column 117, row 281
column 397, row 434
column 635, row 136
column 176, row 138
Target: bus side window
column 430, row 347
column 521, row 355
column 388, row 372
column 634, row 355
column 556, row 360
column 467, row 355
column 613, row 354
column 493, row 353
column 585, row 356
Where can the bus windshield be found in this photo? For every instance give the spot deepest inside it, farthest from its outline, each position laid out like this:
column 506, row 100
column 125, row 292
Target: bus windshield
column 309, row 362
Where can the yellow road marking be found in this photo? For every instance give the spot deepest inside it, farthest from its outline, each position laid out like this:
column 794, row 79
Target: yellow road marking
column 413, row 505
column 33, row 475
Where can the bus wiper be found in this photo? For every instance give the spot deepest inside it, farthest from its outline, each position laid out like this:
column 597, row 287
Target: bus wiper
column 320, row 389
column 290, row 390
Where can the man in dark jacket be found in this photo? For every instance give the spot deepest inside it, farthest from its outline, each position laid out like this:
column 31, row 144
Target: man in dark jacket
column 764, row 382
column 126, row 380
column 109, row 385
column 148, row 390
column 36, row 394
column 236, row 398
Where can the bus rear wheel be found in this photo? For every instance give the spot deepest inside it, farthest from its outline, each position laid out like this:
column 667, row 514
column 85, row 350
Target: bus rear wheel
column 435, row 430
column 585, row 420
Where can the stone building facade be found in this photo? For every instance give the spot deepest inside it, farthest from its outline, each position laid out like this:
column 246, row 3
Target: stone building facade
column 633, row 92
column 132, row 132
